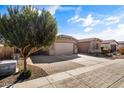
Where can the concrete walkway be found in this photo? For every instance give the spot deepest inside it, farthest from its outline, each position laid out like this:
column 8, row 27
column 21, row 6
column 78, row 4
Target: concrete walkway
column 106, row 74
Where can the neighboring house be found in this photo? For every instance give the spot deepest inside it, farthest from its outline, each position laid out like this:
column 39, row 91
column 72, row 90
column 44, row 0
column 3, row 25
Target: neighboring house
column 64, row 44
column 121, row 44
column 110, row 44
column 89, row 45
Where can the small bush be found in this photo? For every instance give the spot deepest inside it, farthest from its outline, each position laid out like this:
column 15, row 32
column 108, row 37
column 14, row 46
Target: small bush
column 121, row 50
column 24, row 75
column 105, row 50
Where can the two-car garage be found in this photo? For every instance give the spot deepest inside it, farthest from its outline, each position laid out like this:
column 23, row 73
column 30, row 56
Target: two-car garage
column 63, row 48
column 63, row 45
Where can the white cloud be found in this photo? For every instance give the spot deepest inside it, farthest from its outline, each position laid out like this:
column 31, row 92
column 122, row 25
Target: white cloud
column 86, row 22
column 53, row 9
column 76, row 18
column 89, row 21
column 117, row 34
column 120, row 25
column 112, row 20
column 106, row 21
column 94, row 19
column 73, row 19
column 88, row 29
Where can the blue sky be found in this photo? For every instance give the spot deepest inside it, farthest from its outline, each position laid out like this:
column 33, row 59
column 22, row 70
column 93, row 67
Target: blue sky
column 87, row 21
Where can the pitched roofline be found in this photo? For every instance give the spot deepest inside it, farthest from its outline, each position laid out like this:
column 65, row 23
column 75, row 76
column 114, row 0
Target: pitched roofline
column 111, row 40
column 61, row 35
column 121, row 42
column 89, row 39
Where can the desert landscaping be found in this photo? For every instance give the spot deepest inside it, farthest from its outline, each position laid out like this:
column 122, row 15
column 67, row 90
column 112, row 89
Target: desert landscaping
column 34, row 55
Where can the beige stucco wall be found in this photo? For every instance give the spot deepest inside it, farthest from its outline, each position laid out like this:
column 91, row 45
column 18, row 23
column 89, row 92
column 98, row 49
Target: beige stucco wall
column 63, row 44
column 83, row 47
column 121, row 46
column 92, row 48
column 75, row 48
column 88, row 47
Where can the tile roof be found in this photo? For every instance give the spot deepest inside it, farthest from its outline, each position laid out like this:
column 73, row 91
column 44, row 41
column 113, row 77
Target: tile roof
column 109, row 41
column 66, row 36
column 88, row 39
column 120, row 42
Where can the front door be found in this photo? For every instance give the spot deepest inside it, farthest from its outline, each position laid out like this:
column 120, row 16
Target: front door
column 113, row 48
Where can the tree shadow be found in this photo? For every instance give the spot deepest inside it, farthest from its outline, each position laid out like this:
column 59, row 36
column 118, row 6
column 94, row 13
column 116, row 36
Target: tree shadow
column 97, row 55
column 52, row 59
column 21, row 79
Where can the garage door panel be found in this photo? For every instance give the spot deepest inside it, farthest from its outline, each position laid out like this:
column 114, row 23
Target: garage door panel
column 63, row 48
column 83, row 47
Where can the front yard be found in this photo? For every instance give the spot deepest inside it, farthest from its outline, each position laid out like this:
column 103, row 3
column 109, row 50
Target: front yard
column 42, row 66
column 104, row 73
column 36, row 73
column 46, row 65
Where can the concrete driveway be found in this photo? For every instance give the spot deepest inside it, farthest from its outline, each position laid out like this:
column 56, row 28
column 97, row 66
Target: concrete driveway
column 100, row 73
column 56, row 64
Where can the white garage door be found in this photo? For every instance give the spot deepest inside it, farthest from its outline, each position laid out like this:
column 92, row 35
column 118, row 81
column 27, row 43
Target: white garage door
column 63, row 48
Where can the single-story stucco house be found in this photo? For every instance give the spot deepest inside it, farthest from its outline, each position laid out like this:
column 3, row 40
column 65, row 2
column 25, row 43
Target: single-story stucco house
column 121, row 44
column 110, row 44
column 63, row 44
column 89, row 45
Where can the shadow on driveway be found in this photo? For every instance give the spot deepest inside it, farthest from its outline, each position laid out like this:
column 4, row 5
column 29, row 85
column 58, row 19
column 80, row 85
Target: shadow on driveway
column 51, row 59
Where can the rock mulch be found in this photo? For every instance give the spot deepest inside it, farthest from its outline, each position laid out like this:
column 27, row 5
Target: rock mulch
column 36, row 73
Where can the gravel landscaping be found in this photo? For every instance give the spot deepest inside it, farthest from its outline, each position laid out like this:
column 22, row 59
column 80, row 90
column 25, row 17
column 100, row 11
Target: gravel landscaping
column 36, row 73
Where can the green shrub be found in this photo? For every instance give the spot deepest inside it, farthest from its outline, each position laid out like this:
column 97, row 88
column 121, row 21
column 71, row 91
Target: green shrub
column 105, row 50
column 24, row 75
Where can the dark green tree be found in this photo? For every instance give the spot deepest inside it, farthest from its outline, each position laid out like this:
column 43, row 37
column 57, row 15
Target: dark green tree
column 28, row 30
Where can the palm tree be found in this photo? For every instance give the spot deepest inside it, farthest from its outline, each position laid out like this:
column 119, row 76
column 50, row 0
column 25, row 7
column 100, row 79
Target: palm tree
column 28, row 30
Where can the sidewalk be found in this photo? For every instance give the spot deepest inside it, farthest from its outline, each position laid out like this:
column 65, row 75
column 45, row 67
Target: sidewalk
column 67, row 76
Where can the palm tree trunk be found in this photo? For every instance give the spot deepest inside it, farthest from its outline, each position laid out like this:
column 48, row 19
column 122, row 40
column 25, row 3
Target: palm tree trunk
column 25, row 64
